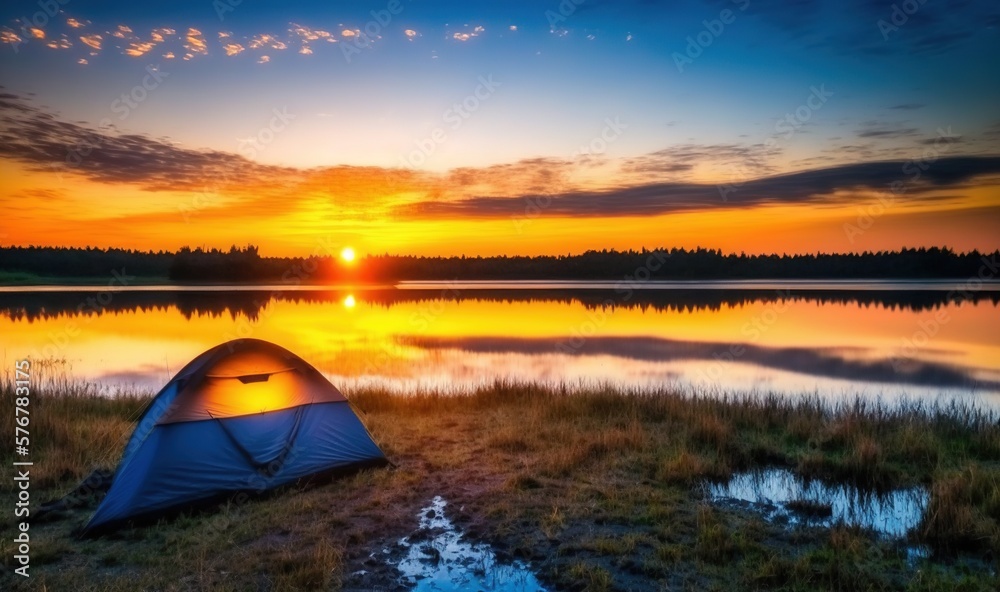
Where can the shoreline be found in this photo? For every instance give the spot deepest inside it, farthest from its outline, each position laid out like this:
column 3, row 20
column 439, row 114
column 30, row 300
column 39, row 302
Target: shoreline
column 798, row 284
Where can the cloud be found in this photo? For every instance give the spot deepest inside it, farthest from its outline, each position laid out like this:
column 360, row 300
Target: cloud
column 685, row 157
column 137, row 49
column 62, row 43
column 122, row 31
column 195, row 42
column 823, row 362
column 881, row 131
column 9, row 37
column 92, row 41
column 936, row 141
column 523, row 176
column 267, row 41
column 41, row 141
column 811, row 186
column 908, row 106
column 468, row 33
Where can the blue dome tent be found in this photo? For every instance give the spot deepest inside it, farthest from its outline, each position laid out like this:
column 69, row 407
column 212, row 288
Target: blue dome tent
column 245, row 416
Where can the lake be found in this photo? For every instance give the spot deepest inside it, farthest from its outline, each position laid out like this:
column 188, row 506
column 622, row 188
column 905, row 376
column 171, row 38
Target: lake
column 919, row 340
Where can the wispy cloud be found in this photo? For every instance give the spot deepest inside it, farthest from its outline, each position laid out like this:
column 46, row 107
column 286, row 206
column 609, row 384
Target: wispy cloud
column 873, row 130
column 813, row 186
column 38, row 139
column 42, row 141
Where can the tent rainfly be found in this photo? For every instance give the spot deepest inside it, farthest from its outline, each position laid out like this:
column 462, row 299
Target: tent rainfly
column 245, row 416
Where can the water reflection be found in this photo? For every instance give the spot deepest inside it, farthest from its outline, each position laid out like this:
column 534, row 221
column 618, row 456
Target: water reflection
column 31, row 304
column 837, row 363
column 779, row 494
column 439, row 559
column 828, row 341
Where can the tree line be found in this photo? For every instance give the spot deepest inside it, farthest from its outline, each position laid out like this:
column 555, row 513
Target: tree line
column 246, row 264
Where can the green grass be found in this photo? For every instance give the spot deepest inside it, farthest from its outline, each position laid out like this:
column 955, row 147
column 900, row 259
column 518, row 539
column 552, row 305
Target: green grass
column 23, row 278
column 592, row 486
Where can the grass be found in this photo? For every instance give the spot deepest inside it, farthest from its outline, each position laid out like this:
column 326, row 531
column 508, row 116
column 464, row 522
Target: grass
column 592, row 486
column 23, row 278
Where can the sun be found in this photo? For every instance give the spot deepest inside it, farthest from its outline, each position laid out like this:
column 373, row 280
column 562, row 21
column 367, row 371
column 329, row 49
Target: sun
column 349, row 301
column 347, row 254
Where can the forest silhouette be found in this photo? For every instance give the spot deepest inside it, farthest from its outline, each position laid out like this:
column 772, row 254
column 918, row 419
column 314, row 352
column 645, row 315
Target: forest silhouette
column 246, row 265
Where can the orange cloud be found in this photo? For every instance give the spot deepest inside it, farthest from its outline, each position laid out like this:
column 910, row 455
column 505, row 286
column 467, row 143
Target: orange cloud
column 195, row 43
column 93, row 41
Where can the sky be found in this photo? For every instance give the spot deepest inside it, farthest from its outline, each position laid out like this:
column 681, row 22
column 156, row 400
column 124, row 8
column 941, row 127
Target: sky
column 488, row 128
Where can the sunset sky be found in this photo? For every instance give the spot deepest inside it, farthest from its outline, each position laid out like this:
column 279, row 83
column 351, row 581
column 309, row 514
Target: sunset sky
column 502, row 127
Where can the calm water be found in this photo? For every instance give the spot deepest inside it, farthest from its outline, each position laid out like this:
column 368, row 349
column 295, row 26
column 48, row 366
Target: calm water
column 892, row 513
column 913, row 339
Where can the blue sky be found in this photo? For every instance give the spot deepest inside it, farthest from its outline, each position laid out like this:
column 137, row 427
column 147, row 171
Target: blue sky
column 562, row 72
column 695, row 91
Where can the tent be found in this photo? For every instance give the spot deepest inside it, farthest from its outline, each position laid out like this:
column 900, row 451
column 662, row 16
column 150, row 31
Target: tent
column 245, row 416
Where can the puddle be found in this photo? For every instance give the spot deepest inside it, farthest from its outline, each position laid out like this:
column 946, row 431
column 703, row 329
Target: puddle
column 438, row 559
column 781, row 495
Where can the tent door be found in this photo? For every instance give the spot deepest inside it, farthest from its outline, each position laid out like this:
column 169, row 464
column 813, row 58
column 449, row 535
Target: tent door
column 271, row 467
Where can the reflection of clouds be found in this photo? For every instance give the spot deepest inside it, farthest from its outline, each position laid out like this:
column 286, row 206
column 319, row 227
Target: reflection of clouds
column 826, row 363
column 361, row 345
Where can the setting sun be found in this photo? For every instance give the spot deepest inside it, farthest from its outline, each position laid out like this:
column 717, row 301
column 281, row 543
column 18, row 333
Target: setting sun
column 347, row 254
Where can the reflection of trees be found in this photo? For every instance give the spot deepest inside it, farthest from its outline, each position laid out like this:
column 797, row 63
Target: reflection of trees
column 40, row 305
